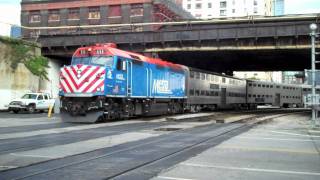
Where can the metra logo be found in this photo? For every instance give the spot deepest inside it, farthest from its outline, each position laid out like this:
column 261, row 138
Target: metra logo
column 120, row 77
column 161, row 86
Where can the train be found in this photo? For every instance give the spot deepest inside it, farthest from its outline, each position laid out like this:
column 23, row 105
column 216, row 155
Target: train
column 105, row 83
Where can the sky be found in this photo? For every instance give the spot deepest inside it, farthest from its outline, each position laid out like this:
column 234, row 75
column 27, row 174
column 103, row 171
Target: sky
column 10, row 11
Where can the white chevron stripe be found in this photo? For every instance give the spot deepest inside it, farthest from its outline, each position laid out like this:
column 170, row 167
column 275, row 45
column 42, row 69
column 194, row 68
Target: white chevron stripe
column 74, row 89
column 64, row 84
column 81, row 89
column 95, row 86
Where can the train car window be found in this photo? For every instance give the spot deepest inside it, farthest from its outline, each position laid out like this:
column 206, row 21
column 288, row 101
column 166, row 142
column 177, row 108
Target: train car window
column 254, row 85
column 212, row 77
column 211, row 93
column 191, row 92
column 278, row 87
column 271, row 86
column 191, row 74
column 223, row 80
column 254, row 96
column 287, row 97
column 203, row 76
column 216, row 93
column 197, row 75
column 208, row 93
column 250, row 84
column 263, row 85
column 197, row 93
column 214, row 86
column 259, row 85
column 249, row 95
column 121, row 65
column 202, row 93
column 267, row 86
column 208, row 77
column 258, row 96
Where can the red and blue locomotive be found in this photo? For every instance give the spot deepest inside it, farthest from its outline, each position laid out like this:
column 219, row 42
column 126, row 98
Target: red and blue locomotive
column 104, row 83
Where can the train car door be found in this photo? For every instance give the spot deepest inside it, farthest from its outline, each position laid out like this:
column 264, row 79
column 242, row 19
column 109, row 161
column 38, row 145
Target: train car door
column 277, row 99
column 129, row 78
column 223, row 96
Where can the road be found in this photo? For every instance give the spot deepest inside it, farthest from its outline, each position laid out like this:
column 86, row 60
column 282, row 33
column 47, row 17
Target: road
column 35, row 147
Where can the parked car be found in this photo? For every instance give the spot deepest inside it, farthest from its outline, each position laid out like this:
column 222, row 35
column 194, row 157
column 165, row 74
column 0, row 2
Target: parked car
column 31, row 102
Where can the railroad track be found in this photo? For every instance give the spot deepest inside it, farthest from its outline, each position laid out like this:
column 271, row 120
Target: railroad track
column 136, row 160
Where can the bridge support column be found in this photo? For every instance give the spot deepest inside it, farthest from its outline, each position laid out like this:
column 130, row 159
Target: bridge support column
column 52, row 85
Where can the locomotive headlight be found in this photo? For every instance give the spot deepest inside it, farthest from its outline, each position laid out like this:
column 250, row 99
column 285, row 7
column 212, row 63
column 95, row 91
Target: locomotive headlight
column 98, row 89
column 78, row 75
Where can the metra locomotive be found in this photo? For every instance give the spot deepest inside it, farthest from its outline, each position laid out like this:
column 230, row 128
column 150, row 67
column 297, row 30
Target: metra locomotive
column 104, row 83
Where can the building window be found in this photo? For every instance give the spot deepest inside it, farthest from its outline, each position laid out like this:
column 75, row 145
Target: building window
column 54, row 15
column 94, row 13
column 209, row 5
column 114, row 11
column 233, row 11
column 74, row 14
column 198, row 6
column 255, row 10
column 137, row 10
column 223, row 4
column 189, row 6
column 34, row 17
column 255, row 2
column 223, row 12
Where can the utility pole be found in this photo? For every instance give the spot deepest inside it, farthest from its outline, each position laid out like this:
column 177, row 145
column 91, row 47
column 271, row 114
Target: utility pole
column 313, row 28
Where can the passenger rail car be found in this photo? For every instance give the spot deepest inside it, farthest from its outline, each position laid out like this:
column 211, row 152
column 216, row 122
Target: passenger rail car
column 208, row 90
column 282, row 95
column 104, row 83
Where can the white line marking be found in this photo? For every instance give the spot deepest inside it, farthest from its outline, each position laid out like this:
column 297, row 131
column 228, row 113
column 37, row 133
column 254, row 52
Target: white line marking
column 294, row 134
column 8, row 167
column 25, row 155
column 276, row 139
column 283, row 150
column 62, row 130
column 172, row 178
column 253, row 169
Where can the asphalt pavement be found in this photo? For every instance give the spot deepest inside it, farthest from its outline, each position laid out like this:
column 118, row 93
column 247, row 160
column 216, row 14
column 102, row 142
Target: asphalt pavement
column 285, row 148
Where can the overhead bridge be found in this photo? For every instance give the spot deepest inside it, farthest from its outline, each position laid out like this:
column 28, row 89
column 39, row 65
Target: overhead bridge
column 221, row 45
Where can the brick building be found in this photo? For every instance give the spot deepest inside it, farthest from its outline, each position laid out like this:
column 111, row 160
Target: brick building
column 55, row 13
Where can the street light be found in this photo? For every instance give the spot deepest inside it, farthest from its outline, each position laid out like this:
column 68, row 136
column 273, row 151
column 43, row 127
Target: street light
column 313, row 28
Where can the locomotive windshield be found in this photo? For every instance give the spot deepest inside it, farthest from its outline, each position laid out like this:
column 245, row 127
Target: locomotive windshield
column 93, row 60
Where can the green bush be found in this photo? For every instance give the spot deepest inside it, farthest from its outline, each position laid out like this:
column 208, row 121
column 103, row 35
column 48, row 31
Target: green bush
column 25, row 52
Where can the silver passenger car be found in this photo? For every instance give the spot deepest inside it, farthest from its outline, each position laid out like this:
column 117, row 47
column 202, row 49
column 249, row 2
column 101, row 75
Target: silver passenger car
column 211, row 90
column 282, row 95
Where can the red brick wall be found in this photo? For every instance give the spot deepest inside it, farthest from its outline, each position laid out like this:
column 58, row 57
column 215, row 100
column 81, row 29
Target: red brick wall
column 78, row 3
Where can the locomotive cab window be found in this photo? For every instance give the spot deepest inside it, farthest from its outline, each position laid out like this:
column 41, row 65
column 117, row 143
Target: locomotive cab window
column 98, row 61
column 121, row 65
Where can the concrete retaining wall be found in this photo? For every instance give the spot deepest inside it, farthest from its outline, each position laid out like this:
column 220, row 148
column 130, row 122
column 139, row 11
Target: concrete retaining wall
column 15, row 84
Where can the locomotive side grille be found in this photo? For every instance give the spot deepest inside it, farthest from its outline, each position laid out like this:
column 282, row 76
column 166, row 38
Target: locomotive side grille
column 82, row 79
